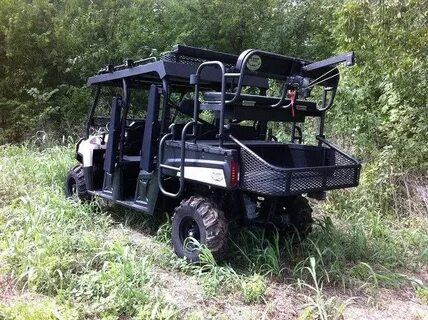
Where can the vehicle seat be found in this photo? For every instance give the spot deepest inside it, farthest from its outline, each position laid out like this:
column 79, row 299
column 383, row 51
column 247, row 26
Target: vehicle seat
column 133, row 138
column 186, row 107
column 205, row 131
column 243, row 132
column 256, row 100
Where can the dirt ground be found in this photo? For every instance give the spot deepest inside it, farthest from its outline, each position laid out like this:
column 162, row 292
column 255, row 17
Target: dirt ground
column 281, row 301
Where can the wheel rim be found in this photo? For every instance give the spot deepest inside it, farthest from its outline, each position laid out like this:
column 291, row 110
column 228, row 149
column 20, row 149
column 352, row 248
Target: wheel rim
column 189, row 229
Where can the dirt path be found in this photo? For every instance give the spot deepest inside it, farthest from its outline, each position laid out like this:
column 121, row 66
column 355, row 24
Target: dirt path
column 281, row 301
column 388, row 305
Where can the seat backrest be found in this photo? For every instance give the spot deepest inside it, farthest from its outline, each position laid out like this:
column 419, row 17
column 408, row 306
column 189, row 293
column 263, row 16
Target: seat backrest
column 243, row 132
column 186, row 107
column 134, row 138
column 268, row 65
column 264, row 64
column 204, row 130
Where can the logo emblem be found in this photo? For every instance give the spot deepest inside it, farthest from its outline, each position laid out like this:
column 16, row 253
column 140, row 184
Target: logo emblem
column 254, row 62
column 217, row 176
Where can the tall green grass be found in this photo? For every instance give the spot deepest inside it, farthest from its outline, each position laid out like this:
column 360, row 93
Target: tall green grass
column 63, row 249
column 88, row 260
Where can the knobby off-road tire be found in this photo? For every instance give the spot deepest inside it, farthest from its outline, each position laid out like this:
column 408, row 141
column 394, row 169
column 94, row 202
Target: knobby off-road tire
column 293, row 215
column 75, row 185
column 300, row 213
column 199, row 218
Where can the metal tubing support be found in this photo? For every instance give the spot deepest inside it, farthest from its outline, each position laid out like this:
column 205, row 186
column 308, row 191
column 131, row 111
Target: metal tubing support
column 160, row 166
column 241, row 80
column 348, row 58
column 182, row 160
column 328, row 105
column 336, row 148
column 293, row 132
column 321, row 128
column 222, row 97
column 126, row 100
column 92, row 111
column 196, row 104
column 165, row 105
column 151, row 129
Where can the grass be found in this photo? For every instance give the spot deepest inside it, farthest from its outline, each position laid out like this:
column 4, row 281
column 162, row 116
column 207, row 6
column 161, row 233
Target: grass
column 93, row 261
column 317, row 305
column 45, row 309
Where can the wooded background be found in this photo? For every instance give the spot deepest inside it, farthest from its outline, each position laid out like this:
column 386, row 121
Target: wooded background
column 49, row 48
column 369, row 245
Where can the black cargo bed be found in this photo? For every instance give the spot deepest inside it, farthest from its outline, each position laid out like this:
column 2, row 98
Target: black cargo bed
column 284, row 169
column 278, row 169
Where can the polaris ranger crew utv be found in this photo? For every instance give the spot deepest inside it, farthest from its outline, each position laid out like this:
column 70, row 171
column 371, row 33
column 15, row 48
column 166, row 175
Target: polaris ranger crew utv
column 191, row 134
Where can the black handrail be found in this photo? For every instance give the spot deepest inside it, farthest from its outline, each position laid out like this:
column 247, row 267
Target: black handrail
column 180, row 169
column 222, row 97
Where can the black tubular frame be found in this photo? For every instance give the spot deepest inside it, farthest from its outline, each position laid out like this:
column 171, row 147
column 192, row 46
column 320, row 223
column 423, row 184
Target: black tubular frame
column 126, row 105
column 241, row 75
column 92, row 110
column 180, row 169
column 347, row 58
column 170, row 75
column 195, row 79
column 326, row 104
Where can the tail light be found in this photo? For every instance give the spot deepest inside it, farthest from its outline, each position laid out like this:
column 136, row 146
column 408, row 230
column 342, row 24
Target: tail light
column 234, row 172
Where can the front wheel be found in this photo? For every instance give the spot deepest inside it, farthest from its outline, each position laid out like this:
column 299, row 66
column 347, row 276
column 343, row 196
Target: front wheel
column 75, row 185
column 198, row 219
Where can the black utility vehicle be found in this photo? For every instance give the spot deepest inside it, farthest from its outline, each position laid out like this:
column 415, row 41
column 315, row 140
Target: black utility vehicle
column 201, row 145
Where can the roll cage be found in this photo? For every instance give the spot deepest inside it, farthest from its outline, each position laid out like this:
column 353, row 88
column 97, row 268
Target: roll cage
column 187, row 69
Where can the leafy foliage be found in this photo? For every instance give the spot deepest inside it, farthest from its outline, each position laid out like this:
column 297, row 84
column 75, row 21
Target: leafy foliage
column 384, row 101
column 49, row 48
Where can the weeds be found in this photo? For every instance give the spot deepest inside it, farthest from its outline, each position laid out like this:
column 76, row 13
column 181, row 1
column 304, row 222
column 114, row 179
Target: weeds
column 259, row 252
column 86, row 255
column 422, row 294
column 37, row 309
column 63, row 248
column 253, row 288
column 318, row 306
column 215, row 277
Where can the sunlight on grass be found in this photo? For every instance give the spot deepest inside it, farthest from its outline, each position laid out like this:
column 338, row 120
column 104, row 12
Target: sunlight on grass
column 93, row 256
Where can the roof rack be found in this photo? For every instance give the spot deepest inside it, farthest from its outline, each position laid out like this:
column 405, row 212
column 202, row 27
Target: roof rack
column 177, row 65
column 190, row 55
column 128, row 63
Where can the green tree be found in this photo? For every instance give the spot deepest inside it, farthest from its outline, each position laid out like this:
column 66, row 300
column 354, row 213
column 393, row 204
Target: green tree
column 384, row 102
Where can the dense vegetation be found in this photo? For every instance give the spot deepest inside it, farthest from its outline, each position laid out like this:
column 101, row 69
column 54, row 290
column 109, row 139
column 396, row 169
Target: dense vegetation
column 49, row 48
column 71, row 260
column 85, row 265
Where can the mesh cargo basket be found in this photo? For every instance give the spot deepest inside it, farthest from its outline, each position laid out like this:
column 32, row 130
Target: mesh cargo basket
column 259, row 176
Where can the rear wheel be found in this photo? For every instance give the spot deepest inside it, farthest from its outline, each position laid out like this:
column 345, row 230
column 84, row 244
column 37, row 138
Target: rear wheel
column 75, row 185
column 198, row 219
column 291, row 214
column 300, row 213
